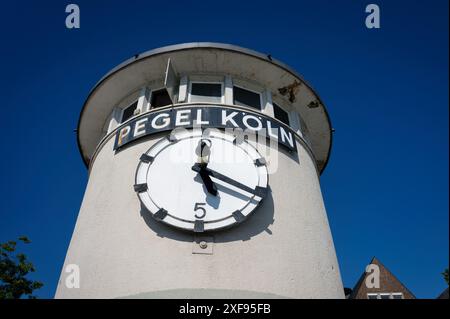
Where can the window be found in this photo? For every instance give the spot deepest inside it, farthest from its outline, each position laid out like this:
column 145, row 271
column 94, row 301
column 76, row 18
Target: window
column 246, row 98
column 128, row 112
column 160, row 98
column 281, row 114
column 206, row 92
column 395, row 295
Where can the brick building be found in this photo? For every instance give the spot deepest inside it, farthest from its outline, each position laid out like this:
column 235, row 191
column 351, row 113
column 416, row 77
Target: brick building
column 389, row 286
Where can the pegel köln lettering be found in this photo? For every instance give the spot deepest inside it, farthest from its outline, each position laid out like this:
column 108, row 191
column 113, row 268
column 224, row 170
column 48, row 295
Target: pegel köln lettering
column 204, row 116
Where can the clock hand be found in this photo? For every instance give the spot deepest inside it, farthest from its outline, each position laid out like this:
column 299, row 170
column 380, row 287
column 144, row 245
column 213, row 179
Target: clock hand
column 203, row 151
column 210, row 186
column 202, row 169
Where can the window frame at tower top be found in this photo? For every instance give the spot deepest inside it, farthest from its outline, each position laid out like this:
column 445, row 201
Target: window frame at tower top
column 144, row 101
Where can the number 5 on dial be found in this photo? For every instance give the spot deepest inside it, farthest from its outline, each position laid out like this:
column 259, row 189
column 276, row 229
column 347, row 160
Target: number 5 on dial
column 198, row 207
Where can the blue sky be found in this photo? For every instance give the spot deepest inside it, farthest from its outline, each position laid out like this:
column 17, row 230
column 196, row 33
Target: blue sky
column 386, row 185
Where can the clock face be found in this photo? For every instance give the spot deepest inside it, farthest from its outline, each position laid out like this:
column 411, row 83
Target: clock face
column 201, row 183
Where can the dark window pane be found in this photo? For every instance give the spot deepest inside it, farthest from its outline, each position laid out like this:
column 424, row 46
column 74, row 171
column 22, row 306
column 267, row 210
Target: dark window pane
column 206, row 92
column 385, row 296
column 246, row 98
column 129, row 112
column 281, row 114
column 160, row 98
column 372, row 296
column 206, row 89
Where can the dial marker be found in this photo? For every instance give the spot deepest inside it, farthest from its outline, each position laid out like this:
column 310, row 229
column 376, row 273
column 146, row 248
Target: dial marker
column 172, row 138
column 199, row 226
column 260, row 162
column 238, row 216
column 260, row 191
column 139, row 188
column 146, row 158
column 160, row 214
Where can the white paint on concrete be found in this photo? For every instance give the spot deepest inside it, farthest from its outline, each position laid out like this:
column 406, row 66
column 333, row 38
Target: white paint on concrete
column 284, row 249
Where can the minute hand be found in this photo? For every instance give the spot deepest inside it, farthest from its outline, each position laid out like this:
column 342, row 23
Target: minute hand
column 258, row 191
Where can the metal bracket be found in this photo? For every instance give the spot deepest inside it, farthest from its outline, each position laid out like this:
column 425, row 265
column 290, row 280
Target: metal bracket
column 203, row 245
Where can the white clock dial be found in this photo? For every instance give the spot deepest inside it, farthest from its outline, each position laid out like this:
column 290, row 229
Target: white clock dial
column 178, row 190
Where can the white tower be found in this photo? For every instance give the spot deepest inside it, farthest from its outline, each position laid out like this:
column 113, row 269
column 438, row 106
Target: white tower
column 204, row 163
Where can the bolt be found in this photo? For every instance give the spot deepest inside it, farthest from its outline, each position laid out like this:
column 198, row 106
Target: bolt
column 203, row 244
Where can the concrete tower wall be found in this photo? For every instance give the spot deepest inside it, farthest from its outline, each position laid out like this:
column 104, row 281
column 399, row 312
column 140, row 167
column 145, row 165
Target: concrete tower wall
column 284, row 249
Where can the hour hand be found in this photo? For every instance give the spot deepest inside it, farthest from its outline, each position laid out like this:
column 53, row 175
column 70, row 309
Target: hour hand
column 258, row 191
column 209, row 184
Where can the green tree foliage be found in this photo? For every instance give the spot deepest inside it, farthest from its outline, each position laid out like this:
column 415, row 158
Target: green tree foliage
column 13, row 270
column 445, row 274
